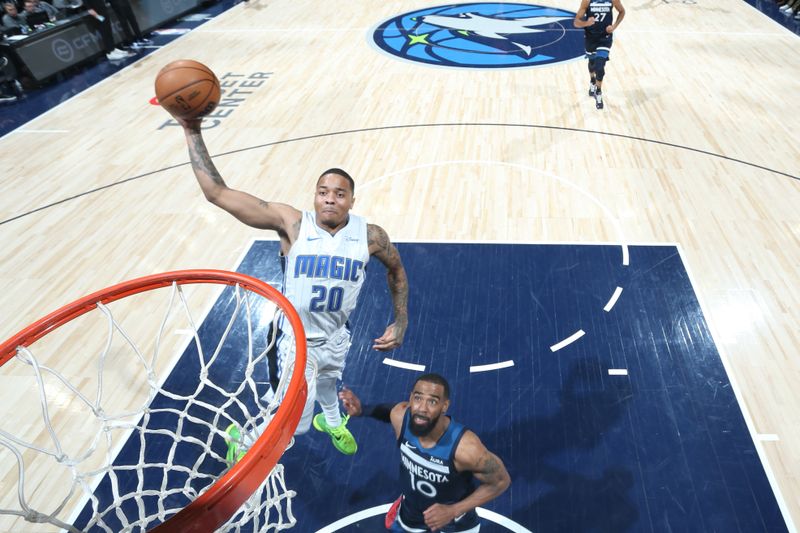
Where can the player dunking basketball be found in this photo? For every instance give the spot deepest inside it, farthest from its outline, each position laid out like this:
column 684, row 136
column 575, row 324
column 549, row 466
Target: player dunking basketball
column 324, row 255
column 596, row 17
column 438, row 459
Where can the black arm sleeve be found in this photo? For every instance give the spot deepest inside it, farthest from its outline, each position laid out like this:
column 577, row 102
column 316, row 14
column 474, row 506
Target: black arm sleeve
column 381, row 411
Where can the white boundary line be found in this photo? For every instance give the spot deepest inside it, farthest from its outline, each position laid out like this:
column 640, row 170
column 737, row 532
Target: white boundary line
column 491, row 516
column 403, row 364
column 613, row 300
column 569, row 340
column 502, row 520
column 21, row 130
column 492, row 366
column 787, row 517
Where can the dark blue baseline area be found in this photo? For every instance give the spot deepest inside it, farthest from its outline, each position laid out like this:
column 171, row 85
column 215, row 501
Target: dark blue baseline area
column 664, row 448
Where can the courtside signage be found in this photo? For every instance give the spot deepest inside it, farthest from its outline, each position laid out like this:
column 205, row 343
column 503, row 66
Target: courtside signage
column 236, row 88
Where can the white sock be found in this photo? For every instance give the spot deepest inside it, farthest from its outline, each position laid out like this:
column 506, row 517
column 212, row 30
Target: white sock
column 332, row 415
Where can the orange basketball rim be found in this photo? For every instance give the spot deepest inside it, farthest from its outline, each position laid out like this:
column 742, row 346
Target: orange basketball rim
column 211, row 509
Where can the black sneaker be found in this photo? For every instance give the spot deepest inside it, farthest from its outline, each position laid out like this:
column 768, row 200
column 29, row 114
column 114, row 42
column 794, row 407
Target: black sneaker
column 7, row 98
column 598, row 100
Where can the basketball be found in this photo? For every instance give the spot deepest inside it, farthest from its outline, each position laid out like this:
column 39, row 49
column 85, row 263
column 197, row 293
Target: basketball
column 187, row 89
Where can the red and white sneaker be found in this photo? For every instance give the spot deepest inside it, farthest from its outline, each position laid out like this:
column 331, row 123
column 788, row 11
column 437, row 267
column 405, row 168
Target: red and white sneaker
column 391, row 516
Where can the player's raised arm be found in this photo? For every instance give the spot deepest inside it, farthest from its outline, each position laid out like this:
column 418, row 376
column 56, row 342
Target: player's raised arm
column 244, row 206
column 381, row 247
column 471, row 456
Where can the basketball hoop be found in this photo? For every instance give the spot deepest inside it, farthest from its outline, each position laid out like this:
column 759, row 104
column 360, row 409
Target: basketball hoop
column 251, row 489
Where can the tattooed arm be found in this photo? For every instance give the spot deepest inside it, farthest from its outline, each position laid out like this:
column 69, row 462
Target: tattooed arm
column 471, row 456
column 381, row 247
column 247, row 208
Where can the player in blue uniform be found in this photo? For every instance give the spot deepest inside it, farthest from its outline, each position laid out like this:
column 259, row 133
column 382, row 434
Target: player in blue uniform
column 331, row 242
column 596, row 17
column 438, row 459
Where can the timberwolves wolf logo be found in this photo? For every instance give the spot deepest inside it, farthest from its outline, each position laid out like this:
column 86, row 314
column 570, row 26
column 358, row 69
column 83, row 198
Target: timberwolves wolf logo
column 482, row 35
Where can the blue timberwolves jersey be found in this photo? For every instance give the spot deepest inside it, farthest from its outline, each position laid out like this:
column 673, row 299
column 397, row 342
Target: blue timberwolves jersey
column 603, row 16
column 428, row 476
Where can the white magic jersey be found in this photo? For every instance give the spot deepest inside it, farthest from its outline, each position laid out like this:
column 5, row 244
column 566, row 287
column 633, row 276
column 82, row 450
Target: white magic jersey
column 324, row 273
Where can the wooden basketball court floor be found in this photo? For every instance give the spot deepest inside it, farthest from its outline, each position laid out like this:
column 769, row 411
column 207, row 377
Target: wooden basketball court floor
column 696, row 149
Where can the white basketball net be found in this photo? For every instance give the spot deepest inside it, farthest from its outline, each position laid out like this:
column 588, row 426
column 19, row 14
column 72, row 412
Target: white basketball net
column 57, row 480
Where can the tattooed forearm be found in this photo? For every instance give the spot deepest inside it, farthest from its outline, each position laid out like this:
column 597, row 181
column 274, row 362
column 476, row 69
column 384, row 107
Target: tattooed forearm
column 201, row 160
column 398, row 286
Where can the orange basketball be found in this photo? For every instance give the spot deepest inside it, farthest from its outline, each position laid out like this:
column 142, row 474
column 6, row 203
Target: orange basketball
column 187, row 89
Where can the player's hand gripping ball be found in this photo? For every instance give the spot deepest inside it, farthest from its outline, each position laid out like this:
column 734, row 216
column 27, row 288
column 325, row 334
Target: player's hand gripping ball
column 187, row 89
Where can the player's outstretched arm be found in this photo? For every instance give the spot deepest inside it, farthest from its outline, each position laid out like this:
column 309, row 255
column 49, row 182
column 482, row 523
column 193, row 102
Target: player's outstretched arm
column 244, row 206
column 381, row 247
column 471, row 456
column 385, row 412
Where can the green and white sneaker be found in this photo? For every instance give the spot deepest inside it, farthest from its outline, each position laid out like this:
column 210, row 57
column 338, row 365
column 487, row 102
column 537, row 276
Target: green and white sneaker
column 234, row 441
column 340, row 436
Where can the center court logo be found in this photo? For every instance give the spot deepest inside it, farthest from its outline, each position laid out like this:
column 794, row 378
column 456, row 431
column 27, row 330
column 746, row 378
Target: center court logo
column 482, row 35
